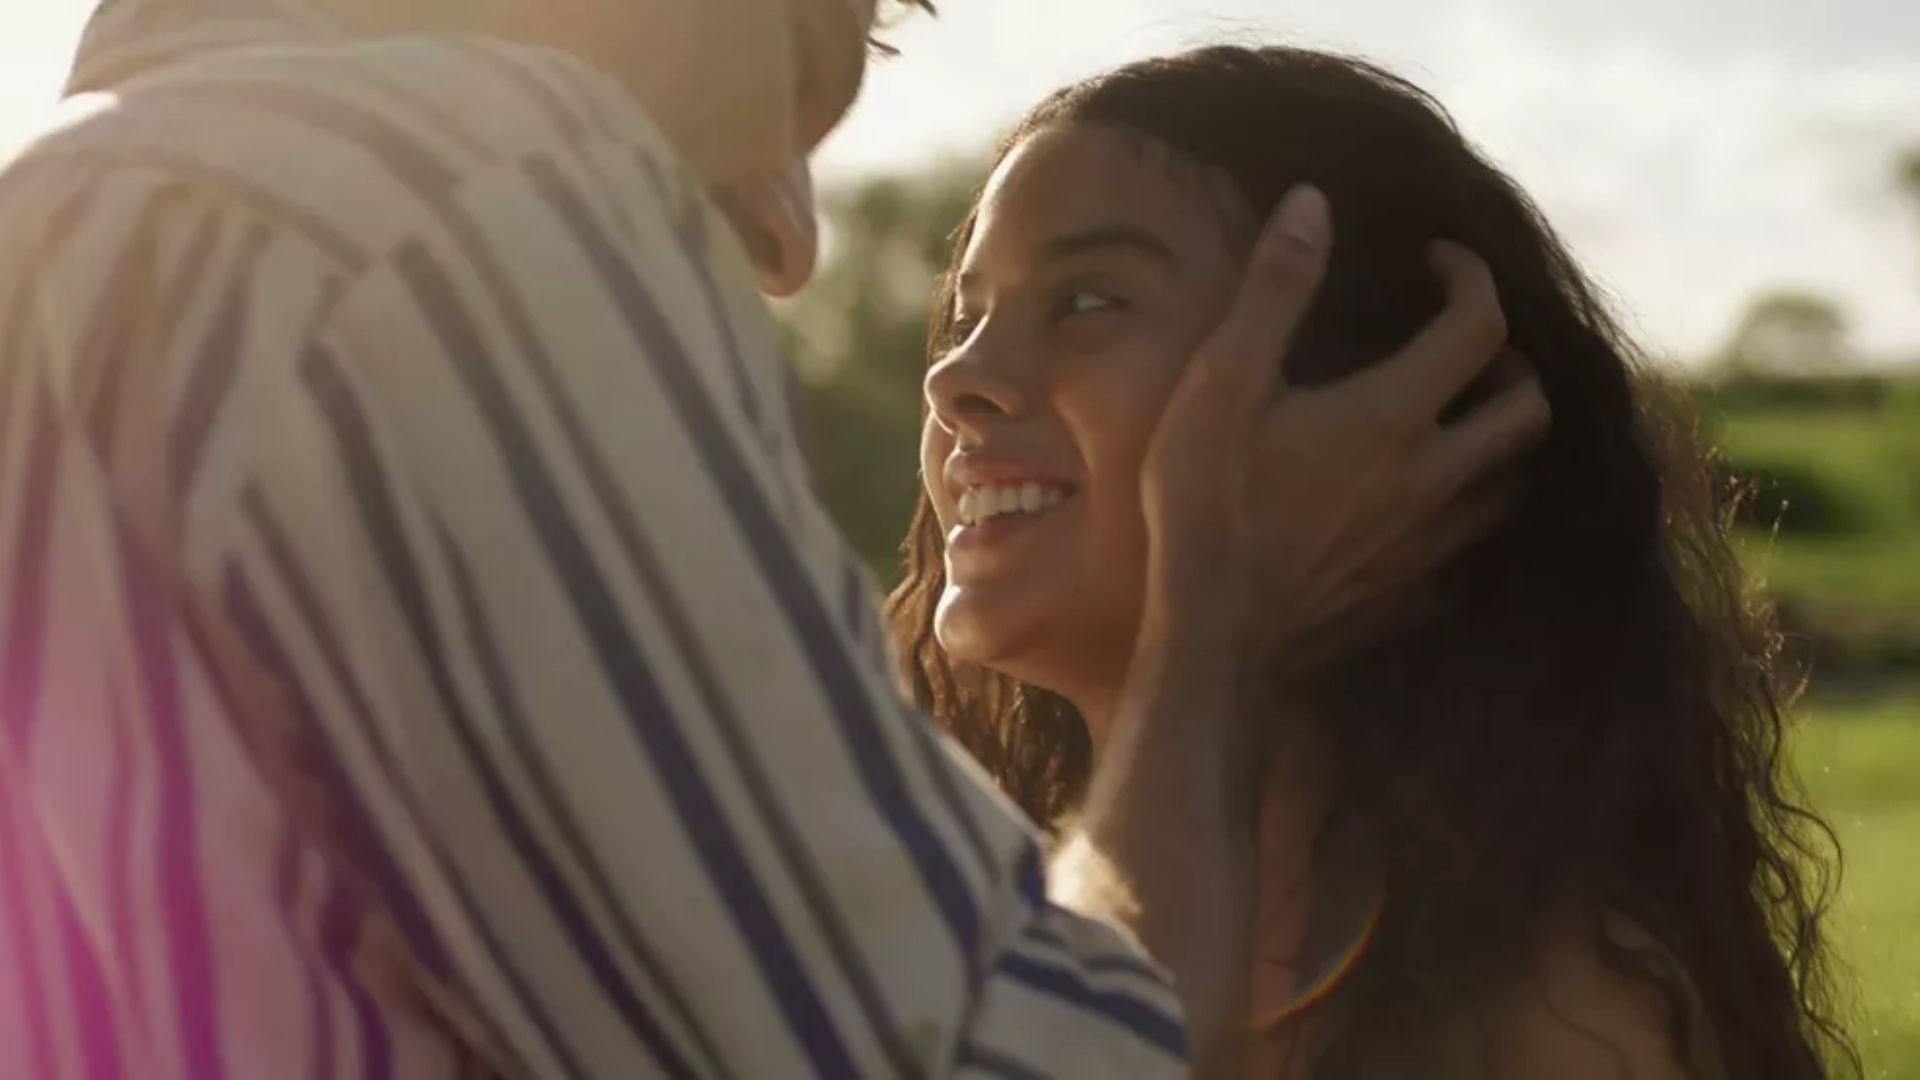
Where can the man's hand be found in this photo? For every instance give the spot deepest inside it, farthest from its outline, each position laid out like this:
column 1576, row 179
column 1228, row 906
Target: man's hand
column 1280, row 519
column 1284, row 520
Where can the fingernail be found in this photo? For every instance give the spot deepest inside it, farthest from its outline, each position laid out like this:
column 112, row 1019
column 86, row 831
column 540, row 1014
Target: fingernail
column 1305, row 218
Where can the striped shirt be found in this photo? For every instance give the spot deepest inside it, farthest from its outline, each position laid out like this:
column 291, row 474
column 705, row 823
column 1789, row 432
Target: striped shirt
column 421, row 654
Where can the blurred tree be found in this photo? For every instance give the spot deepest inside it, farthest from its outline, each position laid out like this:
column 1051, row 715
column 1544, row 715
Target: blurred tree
column 1907, row 175
column 858, row 336
column 1789, row 332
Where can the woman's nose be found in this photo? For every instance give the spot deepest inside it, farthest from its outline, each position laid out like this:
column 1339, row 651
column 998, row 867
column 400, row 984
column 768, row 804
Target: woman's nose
column 971, row 388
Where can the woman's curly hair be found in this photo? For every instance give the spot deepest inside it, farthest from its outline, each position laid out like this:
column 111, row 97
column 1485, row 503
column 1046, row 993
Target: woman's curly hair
column 1592, row 720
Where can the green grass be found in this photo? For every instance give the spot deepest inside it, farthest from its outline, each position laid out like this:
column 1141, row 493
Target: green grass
column 1867, row 453
column 1866, row 464
column 1861, row 763
column 1879, row 570
column 1854, row 582
column 1845, row 561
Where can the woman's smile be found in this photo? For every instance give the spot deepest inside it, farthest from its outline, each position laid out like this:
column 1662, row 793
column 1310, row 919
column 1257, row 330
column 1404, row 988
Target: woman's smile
column 994, row 519
column 994, row 498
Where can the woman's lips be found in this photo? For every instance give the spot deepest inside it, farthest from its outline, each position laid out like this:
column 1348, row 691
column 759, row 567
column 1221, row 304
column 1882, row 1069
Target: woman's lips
column 983, row 534
column 983, row 501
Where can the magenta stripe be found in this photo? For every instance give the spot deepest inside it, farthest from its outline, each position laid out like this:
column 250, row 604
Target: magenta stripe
column 92, row 1004
column 20, row 674
column 286, row 894
column 121, row 894
column 182, row 904
column 13, row 879
column 20, row 701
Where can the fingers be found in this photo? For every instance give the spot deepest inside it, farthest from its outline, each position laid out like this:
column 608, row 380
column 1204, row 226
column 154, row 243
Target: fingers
column 1452, row 349
column 1246, row 354
column 1471, row 518
column 1401, row 593
column 1508, row 369
column 1490, row 437
column 1367, row 623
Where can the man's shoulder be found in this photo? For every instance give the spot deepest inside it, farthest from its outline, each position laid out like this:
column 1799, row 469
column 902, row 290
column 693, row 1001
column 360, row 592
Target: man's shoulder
column 351, row 140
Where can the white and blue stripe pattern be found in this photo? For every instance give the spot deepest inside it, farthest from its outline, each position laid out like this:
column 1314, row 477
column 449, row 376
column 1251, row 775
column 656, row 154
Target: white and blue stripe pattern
column 420, row 653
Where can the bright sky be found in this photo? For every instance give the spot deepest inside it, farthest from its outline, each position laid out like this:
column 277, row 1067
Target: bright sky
column 1693, row 151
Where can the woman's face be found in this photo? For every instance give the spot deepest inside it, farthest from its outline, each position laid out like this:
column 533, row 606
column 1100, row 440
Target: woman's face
column 1098, row 261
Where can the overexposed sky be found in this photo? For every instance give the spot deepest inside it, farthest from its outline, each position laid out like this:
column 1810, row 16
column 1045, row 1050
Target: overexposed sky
column 1694, row 152
column 36, row 42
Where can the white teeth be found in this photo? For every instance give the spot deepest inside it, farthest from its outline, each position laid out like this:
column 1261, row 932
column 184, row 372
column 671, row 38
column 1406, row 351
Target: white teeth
column 981, row 503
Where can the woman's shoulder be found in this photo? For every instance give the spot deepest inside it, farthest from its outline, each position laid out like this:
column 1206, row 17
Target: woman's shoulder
column 1597, row 1001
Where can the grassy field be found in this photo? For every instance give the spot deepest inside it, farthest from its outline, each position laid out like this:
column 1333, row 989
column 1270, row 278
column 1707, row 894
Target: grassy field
column 1861, row 763
column 1845, row 565
column 1849, row 526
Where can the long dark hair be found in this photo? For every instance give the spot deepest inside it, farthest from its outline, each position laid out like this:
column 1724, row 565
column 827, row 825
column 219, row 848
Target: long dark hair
column 1592, row 721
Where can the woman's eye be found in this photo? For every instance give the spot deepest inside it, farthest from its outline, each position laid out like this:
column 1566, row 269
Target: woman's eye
column 962, row 327
column 1085, row 302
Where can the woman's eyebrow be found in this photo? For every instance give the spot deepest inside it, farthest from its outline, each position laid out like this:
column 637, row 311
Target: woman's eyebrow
column 1098, row 237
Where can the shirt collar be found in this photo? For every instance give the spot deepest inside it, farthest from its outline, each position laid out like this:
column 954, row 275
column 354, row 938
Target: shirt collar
column 128, row 38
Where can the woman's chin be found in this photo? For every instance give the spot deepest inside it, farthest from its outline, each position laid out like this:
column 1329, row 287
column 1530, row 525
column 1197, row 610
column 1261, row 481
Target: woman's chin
column 966, row 641
column 1026, row 643
column 973, row 630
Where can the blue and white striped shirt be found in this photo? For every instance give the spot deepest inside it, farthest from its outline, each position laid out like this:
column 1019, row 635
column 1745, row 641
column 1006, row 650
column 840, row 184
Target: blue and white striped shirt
column 420, row 652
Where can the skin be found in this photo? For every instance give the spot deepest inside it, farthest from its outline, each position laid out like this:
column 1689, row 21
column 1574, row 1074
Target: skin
column 1097, row 267
column 1099, row 263
column 745, row 90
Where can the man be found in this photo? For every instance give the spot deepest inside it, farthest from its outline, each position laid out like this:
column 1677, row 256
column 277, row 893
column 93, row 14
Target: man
column 420, row 654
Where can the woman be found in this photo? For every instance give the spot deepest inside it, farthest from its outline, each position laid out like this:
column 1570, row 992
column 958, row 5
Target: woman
column 1543, row 828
